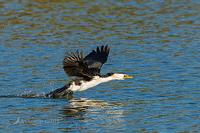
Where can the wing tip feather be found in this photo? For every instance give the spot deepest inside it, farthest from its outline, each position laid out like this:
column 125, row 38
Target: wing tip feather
column 75, row 56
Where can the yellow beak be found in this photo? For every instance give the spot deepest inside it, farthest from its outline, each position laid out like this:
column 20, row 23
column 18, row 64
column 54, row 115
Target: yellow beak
column 128, row 77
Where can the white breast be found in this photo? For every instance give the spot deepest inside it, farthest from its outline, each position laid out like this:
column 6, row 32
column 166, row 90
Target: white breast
column 88, row 84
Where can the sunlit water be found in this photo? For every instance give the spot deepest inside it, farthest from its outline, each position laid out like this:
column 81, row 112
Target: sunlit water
column 157, row 42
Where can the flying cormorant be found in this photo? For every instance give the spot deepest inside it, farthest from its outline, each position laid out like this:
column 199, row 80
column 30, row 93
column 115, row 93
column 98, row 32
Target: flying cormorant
column 87, row 71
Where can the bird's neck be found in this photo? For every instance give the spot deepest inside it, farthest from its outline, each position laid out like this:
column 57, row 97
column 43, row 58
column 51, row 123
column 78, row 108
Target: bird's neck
column 103, row 79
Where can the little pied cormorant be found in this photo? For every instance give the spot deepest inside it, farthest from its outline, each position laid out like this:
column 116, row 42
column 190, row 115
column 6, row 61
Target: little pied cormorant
column 87, row 71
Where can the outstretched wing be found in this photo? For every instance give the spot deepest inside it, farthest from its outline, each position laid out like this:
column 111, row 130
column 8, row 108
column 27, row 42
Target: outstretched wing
column 96, row 59
column 73, row 65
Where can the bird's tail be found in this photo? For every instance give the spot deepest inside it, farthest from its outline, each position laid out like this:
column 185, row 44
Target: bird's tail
column 60, row 92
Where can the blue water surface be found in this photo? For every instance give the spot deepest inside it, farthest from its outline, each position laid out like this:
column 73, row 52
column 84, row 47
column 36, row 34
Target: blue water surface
column 157, row 42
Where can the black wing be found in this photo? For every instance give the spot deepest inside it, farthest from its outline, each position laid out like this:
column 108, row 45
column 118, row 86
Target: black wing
column 96, row 59
column 73, row 65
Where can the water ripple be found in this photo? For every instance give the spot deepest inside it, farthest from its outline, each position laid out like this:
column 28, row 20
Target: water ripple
column 157, row 42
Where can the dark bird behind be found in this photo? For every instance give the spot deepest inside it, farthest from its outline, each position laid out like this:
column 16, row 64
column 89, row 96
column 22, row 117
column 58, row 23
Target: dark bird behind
column 87, row 71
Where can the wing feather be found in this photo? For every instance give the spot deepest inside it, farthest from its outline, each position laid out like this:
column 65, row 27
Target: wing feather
column 96, row 59
column 73, row 65
column 77, row 55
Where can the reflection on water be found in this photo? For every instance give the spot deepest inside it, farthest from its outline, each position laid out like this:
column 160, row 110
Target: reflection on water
column 88, row 113
column 83, row 112
column 78, row 105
